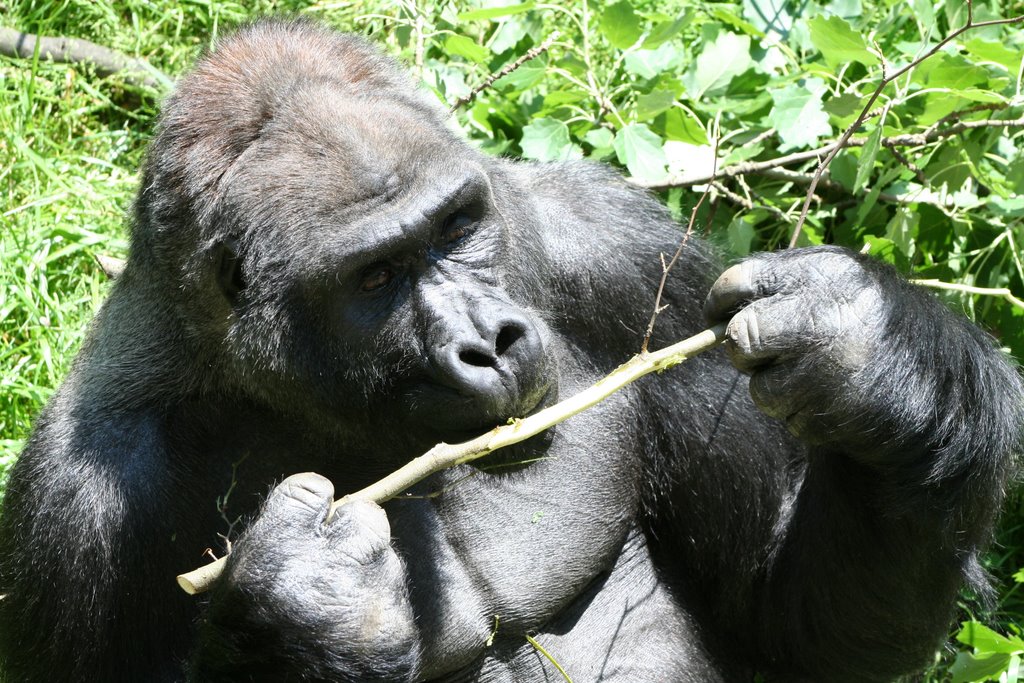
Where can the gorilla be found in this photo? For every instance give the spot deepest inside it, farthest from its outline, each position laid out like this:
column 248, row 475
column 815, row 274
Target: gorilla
column 323, row 277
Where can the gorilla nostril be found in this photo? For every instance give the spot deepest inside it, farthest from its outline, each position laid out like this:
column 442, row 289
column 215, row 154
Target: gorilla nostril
column 476, row 358
column 508, row 336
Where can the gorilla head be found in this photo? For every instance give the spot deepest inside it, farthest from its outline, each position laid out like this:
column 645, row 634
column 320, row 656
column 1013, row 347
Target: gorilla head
column 353, row 253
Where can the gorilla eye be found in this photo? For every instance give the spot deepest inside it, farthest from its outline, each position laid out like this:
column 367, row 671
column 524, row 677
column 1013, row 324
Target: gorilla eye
column 377, row 276
column 456, row 226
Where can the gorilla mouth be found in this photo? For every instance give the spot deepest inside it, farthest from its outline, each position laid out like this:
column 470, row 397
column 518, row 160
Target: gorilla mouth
column 455, row 416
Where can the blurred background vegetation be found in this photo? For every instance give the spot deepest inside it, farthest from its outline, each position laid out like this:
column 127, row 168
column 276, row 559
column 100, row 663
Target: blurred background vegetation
column 935, row 183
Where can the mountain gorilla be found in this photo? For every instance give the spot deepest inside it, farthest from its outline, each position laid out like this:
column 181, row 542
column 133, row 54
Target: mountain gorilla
column 324, row 277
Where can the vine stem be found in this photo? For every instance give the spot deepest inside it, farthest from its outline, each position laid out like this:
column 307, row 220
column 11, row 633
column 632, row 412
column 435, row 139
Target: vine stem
column 443, row 455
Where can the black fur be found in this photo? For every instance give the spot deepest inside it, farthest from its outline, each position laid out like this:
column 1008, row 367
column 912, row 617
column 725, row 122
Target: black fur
column 323, row 277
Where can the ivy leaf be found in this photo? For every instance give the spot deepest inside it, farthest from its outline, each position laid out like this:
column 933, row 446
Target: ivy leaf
column 641, row 151
column 798, row 114
column 722, row 59
column 621, row 25
column 465, row 47
column 495, row 12
column 548, row 139
column 838, row 42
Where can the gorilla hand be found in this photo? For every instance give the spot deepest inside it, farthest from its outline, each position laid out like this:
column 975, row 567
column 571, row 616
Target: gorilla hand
column 807, row 325
column 307, row 584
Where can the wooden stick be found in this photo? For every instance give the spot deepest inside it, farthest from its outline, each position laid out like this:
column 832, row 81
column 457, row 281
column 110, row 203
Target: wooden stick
column 443, row 456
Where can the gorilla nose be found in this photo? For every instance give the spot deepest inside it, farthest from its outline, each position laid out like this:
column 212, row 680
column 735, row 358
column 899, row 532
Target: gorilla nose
column 498, row 363
column 489, row 356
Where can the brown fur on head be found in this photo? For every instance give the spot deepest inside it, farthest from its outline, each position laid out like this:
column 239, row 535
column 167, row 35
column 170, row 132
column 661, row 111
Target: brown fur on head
column 220, row 108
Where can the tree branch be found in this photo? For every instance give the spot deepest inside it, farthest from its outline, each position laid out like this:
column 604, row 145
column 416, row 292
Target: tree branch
column 505, row 71
column 679, row 251
column 443, row 456
column 886, row 80
column 1001, row 292
column 107, row 62
column 763, row 167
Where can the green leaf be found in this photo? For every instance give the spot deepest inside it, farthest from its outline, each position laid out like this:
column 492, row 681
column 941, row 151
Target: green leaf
column 465, row 47
column 495, row 12
column 843, row 169
column 621, row 25
column 845, row 106
column 664, row 31
column 838, row 42
column 867, row 157
column 650, row 105
column 798, row 114
column 902, row 230
column 726, row 16
column 722, row 59
column 984, row 639
column 601, row 139
column 740, row 235
column 650, row 63
column 641, row 151
column 969, row 668
column 954, row 71
column 548, row 140
column 528, row 75
column 986, row 51
column 679, row 124
column 508, row 35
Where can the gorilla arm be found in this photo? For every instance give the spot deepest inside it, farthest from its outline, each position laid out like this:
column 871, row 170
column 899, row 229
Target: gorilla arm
column 911, row 417
column 841, row 557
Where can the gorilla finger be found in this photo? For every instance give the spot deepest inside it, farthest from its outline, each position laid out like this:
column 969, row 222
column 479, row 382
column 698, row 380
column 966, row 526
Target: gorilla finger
column 361, row 529
column 304, row 498
column 746, row 281
column 763, row 332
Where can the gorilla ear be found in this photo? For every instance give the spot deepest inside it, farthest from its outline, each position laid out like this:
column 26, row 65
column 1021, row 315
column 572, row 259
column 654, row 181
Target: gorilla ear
column 229, row 270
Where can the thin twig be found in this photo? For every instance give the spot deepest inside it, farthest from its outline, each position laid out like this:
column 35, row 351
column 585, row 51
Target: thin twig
column 1001, row 292
column 747, row 203
column 768, row 165
column 914, row 168
column 682, row 244
column 443, row 456
column 886, row 80
column 505, row 71
column 547, row 655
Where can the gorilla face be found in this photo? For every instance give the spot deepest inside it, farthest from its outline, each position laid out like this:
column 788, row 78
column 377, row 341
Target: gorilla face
column 363, row 258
